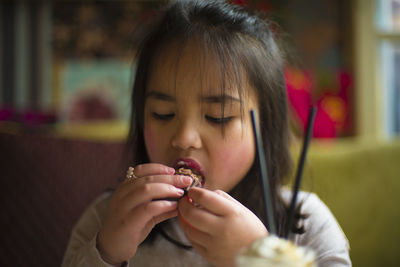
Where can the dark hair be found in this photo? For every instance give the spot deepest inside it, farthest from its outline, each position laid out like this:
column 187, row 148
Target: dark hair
column 241, row 42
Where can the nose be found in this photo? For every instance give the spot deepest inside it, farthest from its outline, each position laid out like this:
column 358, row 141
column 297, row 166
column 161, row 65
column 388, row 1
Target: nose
column 187, row 136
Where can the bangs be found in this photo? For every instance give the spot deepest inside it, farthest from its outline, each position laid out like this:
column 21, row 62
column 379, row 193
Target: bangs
column 219, row 63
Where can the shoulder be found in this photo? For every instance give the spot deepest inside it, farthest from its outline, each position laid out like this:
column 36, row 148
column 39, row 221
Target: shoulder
column 316, row 211
column 315, row 207
column 322, row 231
column 320, row 220
column 99, row 205
column 310, row 201
column 81, row 247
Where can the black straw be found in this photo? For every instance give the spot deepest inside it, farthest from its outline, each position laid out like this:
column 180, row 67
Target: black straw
column 264, row 176
column 299, row 172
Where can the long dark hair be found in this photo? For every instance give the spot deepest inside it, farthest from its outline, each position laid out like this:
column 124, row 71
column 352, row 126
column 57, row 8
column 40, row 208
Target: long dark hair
column 239, row 41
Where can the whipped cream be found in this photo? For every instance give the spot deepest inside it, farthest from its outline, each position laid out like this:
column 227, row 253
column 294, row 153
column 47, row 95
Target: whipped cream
column 272, row 251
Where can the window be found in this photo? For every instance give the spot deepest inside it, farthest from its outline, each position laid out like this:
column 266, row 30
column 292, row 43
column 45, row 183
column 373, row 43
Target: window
column 377, row 30
column 387, row 23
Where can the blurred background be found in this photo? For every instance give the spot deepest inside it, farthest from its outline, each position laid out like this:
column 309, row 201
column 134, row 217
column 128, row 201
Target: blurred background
column 66, row 72
column 67, row 65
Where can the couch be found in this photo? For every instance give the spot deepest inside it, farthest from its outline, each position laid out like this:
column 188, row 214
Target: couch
column 360, row 182
column 46, row 182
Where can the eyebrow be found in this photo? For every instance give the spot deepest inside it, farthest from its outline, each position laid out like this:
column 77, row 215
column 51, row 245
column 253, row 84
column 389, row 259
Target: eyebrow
column 209, row 99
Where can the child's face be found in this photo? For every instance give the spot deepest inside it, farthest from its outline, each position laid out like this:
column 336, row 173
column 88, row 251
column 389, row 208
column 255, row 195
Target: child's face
column 183, row 119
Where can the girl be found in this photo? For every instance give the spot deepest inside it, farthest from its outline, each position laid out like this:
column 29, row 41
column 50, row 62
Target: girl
column 201, row 69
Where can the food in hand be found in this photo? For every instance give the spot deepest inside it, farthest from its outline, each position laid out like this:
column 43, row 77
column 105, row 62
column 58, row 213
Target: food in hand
column 197, row 178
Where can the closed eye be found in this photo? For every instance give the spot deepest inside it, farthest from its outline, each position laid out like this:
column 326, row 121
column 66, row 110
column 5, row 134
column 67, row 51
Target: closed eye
column 163, row 117
column 219, row 120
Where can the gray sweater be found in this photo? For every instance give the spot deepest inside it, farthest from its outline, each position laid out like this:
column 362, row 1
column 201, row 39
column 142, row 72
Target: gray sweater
column 323, row 235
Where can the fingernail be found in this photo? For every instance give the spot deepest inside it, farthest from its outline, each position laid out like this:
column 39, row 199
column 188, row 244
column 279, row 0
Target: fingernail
column 170, row 170
column 179, row 191
column 186, row 179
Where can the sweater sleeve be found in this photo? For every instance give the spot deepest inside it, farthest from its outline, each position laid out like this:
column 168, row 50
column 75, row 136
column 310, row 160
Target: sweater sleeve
column 323, row 234
column 81, row 249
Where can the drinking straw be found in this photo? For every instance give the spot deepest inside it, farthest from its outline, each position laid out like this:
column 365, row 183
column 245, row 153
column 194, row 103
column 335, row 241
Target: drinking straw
column 264, row 175
column 299, row 172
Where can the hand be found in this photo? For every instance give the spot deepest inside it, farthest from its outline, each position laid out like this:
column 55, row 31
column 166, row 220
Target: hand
column 217, row 225
column 133, row 212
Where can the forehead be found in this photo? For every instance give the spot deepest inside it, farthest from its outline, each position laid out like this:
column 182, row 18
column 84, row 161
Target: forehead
column 193, row 66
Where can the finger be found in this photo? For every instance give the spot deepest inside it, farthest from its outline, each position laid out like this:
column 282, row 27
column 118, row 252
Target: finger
column 179, row 181
column 226, row 195
column 160, row 218
column 148, row 192
column 165, row 216
column 202, row 250
column 194, row 235
column 213, row 202
column 196, row 216
column 148, row 169
column 151, row 213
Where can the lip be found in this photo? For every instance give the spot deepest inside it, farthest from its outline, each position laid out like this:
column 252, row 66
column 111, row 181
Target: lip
column 189, row 163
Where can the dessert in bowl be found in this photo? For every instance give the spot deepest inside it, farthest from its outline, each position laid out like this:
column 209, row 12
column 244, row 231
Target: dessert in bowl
column 272, row 251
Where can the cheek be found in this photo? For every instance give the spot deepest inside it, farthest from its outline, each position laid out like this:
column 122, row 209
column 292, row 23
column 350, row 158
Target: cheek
column 236, row 159
column 153, row 144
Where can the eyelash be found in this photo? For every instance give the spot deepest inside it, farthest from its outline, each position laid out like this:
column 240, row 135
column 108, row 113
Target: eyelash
column 169, row 116
column 222, row 120
column 163, row 117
